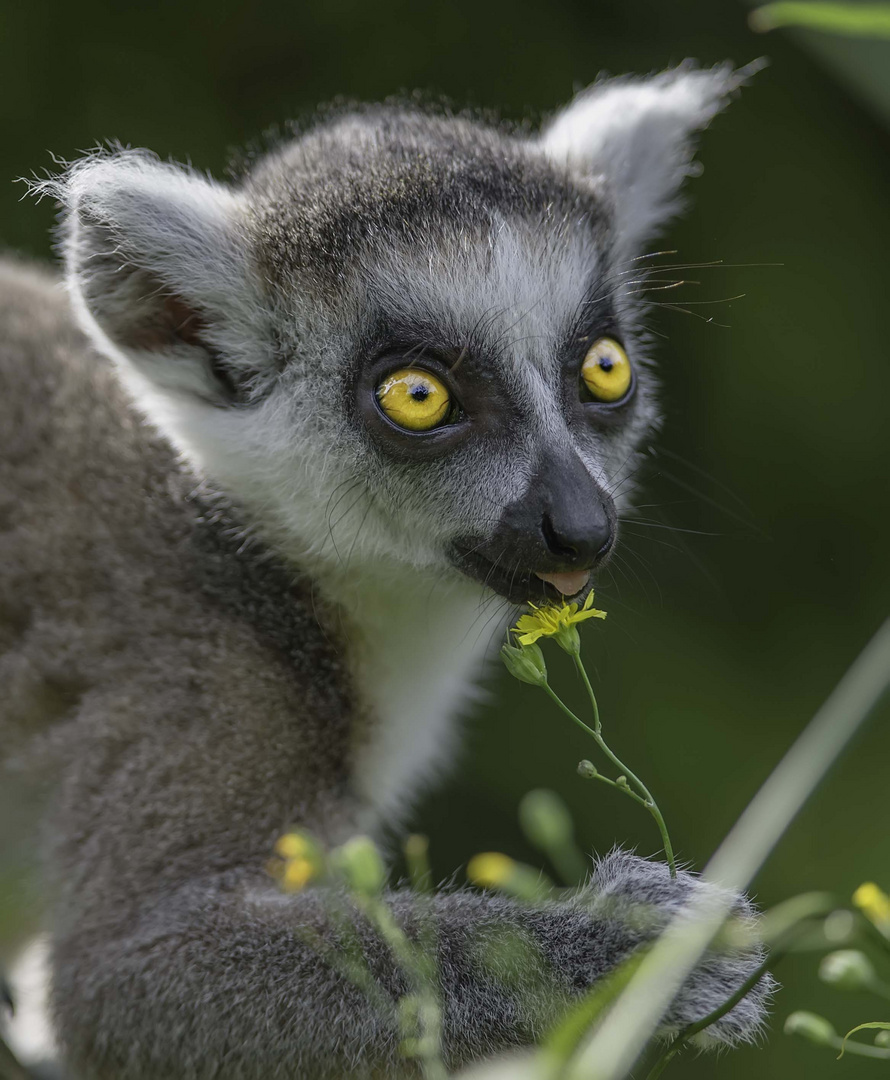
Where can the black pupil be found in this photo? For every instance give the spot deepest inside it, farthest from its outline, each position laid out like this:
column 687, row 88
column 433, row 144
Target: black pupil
column 606, row 364
column 420, row 392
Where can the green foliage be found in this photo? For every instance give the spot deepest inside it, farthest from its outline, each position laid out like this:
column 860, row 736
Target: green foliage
column 853, row 970
column 857, row 20
column 882, row 1025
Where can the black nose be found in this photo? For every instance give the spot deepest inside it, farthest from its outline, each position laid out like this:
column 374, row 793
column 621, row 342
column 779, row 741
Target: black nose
column 564, row 521
column 581, row 539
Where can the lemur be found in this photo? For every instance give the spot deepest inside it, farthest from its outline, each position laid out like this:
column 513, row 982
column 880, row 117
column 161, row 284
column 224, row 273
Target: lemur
column 264, row 456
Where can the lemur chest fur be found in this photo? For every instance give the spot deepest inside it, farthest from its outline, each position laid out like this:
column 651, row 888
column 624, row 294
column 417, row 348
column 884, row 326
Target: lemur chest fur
column 417, row 648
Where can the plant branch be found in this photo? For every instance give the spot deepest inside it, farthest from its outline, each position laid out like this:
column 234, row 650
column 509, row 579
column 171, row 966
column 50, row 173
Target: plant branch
column 644, row 797
column 618, row 1042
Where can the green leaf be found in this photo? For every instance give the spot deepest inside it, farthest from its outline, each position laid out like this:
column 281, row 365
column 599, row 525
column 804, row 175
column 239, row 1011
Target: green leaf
column 880, row 1024
column 856, row 20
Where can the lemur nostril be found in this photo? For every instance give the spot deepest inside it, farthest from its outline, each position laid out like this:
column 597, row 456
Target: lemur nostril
column 554, row 541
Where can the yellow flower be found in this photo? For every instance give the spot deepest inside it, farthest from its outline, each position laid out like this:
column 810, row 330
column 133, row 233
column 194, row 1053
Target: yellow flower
column 297, row 874
column 874, row 904
column 293, row 846
column 491, row 869
column 558, row 622
column 297, row 860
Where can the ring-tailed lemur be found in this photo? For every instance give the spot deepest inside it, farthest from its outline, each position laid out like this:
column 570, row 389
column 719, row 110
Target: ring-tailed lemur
column 395, row 369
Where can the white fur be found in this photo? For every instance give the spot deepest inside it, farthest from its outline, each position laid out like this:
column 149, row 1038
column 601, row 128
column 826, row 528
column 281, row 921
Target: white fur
column 635, row 135
column 29, row 1032
column 160, row 226
column 179, row 224
column 418, row 646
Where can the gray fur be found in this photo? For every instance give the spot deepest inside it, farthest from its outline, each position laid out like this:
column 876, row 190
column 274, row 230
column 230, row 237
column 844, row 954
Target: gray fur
column 197, row 656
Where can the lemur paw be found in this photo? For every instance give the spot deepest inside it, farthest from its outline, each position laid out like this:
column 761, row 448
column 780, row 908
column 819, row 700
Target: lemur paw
column 639, row 897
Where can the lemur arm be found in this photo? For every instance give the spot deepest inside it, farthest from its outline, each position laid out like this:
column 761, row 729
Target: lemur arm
column 217, row 978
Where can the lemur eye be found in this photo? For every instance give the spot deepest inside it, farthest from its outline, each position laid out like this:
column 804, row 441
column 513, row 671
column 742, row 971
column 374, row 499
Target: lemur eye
column 414, row 399
column 606, row 370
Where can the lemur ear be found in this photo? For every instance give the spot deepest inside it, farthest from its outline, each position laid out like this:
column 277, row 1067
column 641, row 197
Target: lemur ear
column 637, row 135
column 159, row 271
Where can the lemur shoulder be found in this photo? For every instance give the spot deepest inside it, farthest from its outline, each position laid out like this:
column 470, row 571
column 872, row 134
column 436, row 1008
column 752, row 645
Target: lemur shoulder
column 263, row 459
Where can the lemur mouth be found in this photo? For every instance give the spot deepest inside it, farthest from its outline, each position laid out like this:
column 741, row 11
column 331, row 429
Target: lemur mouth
column 521, row 586
column 566, row 584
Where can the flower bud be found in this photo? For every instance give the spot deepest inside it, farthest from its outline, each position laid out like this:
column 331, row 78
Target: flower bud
column 874, row 904
column 416, row 847
column 847, row 969
column 416, row 850
column 882, row 1039
column 494, row 870
column 525, row 663
column 545, row 820
column 811, row 1026
column 359, row 861
column 491, row 869
column 569, row 640
column 839, row 926
column 587, row 769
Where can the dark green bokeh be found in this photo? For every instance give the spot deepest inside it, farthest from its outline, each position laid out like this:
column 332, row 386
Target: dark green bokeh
column 720, row 642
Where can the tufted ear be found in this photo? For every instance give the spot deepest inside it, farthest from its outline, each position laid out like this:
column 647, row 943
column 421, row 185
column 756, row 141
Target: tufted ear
column 160, row 273
column 637, row 135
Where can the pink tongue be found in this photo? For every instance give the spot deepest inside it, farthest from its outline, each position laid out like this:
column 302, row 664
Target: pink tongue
column 567, row 584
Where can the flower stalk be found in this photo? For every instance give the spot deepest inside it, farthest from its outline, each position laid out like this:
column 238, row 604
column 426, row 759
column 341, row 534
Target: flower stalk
column 525, row 662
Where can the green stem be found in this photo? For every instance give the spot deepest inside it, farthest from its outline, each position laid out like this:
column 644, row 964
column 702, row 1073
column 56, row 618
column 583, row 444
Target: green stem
column 862, row 1049
column 665, row 1060
column 693, row 1029
column 621, row 787
column 787, row 939
column 648, row 800
column 635, row 1015
column 557, row 700
column 420, row 970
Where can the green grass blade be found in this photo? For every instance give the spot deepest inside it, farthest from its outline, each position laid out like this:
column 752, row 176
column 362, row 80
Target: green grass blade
column 854, row 20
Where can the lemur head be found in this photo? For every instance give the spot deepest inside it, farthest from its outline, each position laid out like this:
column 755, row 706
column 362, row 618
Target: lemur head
column 403, row 336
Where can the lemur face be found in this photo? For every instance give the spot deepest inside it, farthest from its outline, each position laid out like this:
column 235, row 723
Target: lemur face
column 491, row 373
column 404, row 337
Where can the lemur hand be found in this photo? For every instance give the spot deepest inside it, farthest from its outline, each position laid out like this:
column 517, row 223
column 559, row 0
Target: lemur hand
column 638, row 897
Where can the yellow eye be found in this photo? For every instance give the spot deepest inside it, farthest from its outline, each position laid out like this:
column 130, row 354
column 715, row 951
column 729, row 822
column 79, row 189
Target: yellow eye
column 606, row 370
column 414, row 399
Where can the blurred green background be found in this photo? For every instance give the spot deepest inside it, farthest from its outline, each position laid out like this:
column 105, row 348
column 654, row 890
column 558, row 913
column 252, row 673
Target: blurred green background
column 721, row 641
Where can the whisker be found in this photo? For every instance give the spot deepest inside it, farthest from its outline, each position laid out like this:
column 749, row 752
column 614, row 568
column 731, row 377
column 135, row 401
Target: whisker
column 627, row 552
column 695, row 314
column 664, row 543
column 699, row 303
column 361, row 525
column 646, row 524
column 664, row 452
